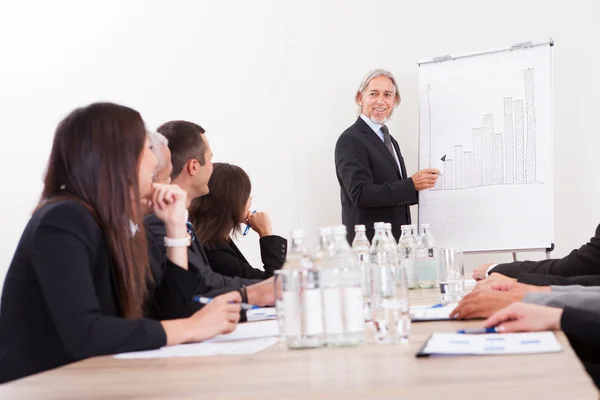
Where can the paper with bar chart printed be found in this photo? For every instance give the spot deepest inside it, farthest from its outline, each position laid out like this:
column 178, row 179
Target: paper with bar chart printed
column 490, row 114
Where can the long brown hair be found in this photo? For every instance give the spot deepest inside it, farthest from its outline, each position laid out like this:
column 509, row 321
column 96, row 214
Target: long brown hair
column 94, row 160
column 221, row 211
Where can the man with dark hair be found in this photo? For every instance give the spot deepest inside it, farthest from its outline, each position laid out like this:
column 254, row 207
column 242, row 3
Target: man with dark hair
column 192, row 167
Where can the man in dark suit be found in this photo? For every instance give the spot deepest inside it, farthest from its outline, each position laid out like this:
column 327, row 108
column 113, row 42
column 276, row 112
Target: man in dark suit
column 191, row 164
column 580, row 267
column 374, row 184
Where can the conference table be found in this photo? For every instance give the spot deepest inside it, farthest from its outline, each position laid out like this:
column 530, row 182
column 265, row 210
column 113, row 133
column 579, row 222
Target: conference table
column 370, row 371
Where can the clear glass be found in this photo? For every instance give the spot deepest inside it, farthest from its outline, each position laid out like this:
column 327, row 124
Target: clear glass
column 391, row 318
column 360, row 247
column 406, row 254
column 451, row 273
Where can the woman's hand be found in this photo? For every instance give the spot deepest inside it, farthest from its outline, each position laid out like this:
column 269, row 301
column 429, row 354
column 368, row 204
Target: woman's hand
column 260, row 222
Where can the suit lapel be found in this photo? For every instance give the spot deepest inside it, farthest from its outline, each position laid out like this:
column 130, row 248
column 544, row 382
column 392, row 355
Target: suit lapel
column 372, row 136
column 237, row 251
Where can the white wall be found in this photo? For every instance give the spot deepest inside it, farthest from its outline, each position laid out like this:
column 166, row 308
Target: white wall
column 272, row 82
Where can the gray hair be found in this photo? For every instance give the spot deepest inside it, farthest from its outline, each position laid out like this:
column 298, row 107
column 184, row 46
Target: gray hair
column 157, row 141
column 368, row 78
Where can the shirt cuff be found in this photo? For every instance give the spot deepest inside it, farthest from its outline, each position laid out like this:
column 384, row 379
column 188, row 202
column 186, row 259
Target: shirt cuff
column 487, row 273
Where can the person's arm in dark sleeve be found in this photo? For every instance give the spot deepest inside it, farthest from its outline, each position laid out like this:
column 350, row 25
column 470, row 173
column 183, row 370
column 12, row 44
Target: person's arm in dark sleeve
column 273, row 251
column 61, row 255
column 584, row 261
column 172, row 288
column 225, row 262
column 352, row 165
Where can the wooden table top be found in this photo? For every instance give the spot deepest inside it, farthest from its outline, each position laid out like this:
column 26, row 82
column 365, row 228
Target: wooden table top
column 370, row 371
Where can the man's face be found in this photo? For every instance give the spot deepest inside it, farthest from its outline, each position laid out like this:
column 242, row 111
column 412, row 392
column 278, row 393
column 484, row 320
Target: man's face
column 164, row 175
column 378, row 100
column 204, row 171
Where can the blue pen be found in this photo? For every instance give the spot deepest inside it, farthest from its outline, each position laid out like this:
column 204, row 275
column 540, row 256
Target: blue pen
column 479, row 330
column 206, row 300
column 248, row 225
column 439, row 305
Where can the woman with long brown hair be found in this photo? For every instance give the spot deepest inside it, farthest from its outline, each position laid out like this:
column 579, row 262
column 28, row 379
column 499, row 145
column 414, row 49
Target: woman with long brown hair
column 221, row 213
column 79, row 283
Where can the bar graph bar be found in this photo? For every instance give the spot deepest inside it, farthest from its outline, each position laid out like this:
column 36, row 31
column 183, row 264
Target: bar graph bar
column 519, row 143
column 496, row 158
column 488, row 149
column 458, row 166
column 468, row 181
column 509, row 141
column 478, row 157
column 530, row 105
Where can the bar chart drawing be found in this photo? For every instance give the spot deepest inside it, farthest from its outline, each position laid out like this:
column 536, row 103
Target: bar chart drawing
column 497, row 156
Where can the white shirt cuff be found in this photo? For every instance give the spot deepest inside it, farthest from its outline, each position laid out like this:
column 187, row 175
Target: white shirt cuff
column 487, row 273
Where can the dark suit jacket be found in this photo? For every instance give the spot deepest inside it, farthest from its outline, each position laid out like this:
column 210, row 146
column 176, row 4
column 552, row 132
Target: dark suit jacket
column 59, row 303
column 226, row 259
column 585, row 261
column 208, row 283
column 370, row 185
column 581, row 328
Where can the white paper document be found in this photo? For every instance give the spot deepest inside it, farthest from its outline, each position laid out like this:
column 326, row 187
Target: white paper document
column 261, row 314
column 428, row 313
column 248, row 338
column 493, row 343
column 204, row 349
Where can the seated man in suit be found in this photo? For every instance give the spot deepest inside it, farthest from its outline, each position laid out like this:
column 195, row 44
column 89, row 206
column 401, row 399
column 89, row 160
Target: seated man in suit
column 580, row 267
column 191, row 169
column 374, row 184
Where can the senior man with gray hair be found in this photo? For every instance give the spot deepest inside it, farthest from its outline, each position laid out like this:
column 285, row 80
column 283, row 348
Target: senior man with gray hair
column 374, row 184
column 160, row 147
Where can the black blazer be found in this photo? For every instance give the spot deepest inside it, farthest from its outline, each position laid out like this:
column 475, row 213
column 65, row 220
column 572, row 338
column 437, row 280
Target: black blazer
column 585, row 261
column 207, row 282
column 371, row 188
column 581, row 328
column 556, row 280
column 59, row 302
column 228, row 260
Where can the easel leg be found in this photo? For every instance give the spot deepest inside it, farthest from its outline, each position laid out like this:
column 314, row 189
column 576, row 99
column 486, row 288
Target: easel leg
column 515, row 256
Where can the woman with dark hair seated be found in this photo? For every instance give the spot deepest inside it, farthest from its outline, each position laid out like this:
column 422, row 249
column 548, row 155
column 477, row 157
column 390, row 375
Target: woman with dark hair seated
column 221, row 213
column 79, row 284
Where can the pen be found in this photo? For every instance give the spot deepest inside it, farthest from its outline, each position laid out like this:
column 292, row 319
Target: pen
column 248, row 226
column 440, row 305
column 440, row 164
column 206, row 300
column 479, row 330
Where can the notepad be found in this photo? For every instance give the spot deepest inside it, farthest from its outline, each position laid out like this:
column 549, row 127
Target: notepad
column 489, row 344
column 427, row 313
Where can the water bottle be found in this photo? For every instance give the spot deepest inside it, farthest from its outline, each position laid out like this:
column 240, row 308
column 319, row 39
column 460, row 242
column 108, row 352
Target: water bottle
column 361, row 247
column 391, row 317
column 325, row 246
column 406, row 253
column 341, row 285
column 429, row 267
column 301, row 303
column 421, row 260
